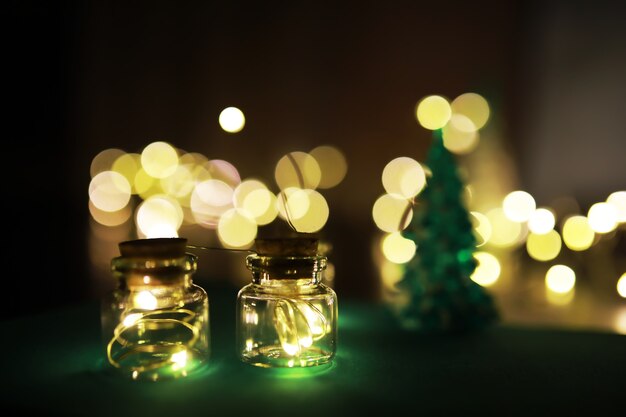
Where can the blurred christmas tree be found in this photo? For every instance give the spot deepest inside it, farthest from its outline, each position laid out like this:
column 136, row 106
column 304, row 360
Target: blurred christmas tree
column 442, row 297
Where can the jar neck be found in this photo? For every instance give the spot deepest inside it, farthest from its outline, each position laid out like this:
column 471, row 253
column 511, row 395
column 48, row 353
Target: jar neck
column 145, row 273
column 280, row 271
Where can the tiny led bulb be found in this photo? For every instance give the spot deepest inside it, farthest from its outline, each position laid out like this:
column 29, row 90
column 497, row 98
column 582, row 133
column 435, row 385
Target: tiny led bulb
column 179, row 359
column 145, row 300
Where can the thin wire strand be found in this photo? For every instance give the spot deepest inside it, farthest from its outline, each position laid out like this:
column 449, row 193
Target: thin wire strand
column 300, row 177
column 218, row 248
column 143, row 320
column 297, row 169
column 287, row 215
column 405, row 213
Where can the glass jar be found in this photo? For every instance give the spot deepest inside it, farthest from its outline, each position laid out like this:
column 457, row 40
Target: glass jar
column 286, row 317
column 155, row 323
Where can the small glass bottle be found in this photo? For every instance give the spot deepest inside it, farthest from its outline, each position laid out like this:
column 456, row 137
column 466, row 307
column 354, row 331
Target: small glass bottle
column 286, row 317
column 155, row 323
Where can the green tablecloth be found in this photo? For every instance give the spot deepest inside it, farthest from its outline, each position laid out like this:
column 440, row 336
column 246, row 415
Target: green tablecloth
column 53, row 365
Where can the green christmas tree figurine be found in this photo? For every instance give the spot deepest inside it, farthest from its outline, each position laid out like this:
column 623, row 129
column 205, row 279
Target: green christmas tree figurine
column 442, row 297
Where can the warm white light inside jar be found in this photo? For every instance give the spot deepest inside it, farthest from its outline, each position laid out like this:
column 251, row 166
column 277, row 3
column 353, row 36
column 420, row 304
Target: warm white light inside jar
column 286, row 317
column 155, row 323
column 298, row 324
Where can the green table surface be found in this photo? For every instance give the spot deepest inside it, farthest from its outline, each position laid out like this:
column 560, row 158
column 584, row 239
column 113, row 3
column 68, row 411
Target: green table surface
column 53, row 364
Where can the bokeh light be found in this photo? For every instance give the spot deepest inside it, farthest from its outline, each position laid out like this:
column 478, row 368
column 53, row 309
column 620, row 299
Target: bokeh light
column 397, row 248
column 602, row 217
column 198, row 165
column 104, row 161
column 403, row 176
column 474, row 107
column 244, row 189
column 332, row 164
column 109, row 191
column 560, row 279
column 504, row 232
column 222, row 170
column 388, row 211
column 544, row 247
column 518, row 206
column 110, row 218
column 236, row 229
column 433, row 112
column 232, row 120
column 145, row 185
column 541, row 221
column 159, row 216
column 315, row 216
column 577, row 234
column 482, row 228
column 618, row 200
column 297, row 169
column 487, row 270
column 460, row 135
column 180, row 184
column 621, row 285
column 253, row 197
column 292, row 203
column 128, row 165
column 209, row 200
column 261, row 204
column 159, row 159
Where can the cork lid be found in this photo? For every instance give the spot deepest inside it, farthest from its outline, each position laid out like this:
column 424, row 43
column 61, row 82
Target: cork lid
column 288, row 246
column 154, row 248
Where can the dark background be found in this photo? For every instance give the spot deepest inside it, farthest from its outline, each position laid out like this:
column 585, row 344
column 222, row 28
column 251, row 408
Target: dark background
column 85, row 76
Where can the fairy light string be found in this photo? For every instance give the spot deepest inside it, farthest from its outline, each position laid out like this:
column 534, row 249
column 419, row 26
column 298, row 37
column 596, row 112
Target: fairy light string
column 297, row 323
column 151, row 320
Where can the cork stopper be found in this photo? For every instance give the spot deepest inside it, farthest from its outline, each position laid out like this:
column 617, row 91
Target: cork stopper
column 291, row 246
column 160, row 248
